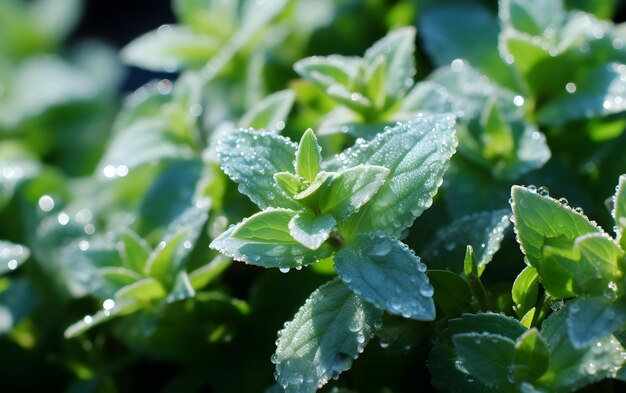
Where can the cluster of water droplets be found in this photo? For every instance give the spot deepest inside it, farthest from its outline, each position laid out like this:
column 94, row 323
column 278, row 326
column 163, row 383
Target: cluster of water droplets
column 12, row 255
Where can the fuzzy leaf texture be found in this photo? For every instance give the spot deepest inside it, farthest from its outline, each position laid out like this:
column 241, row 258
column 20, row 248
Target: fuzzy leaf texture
column 327, row 333
column 251, row 158
column 386, row 273
column 265, row 240
column 417, row 155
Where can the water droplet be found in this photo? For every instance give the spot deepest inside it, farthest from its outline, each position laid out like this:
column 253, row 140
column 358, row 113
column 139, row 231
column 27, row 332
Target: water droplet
column 612, row 286
column 12, row 264
column 543, row 191
column 88, row 319
column 108, row 304
column 564, row 202
column 381, row 248
column 532, row 188
column 63, row 218
column 426, row 290
column 518, row 101
column 196, row 110
column 164, row 86
column 570, row 87
column 280, row 125
column 187, row 244
column 109, row 171
column 457, row 65
column 121, row 171
column 46, row 203
column 284, row 269
column 83, row 245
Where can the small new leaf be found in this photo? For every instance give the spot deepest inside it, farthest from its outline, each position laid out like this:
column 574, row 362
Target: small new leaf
column 352, row 188
column 531, row 358
column 308, row 156
column 311, row 230
column 265, row 240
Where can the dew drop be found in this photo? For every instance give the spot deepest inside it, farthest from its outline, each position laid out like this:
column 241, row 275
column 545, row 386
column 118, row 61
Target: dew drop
column 46, row 203
column 284, row 269
column 570, row 87
column 108, row 304
column 518, row 101
column 426, row 290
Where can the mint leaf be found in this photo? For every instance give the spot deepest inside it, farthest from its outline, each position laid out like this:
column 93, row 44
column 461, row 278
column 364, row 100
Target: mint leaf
column 448, row 371
column 161, row 263
column 170, row 49
column 328, row 71
column 452, row 293
column 386, row 273
column 417, row 154
column 598, row 93
column 133, row 250
column 308, row 156
column 350, row 189
column 120, row 308
column 288, row 182
column 12, row 255
column 326, row 334
column 203, row 275
column 483, row 231
column 311, row 230
column 572, row 368
column 467, row 32
column 397, row 49
column 593, row 318
column 424, row 97
column 251, row 158
column 268, row 226
column 531, row 17
column 619, row 211
column 486, row 356
column 525, row 290
column 145, row 290
column 267, row 113
column 540, row 218
column 268, row 247
column 531, row 358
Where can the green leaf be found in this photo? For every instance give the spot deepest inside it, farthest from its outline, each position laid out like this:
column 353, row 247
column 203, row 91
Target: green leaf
column 598, row 93
column 417, row 154
column 531, row 358
column 12, row 255
column 452, row 293
column 145, row 290
column 532, row 17
column 270, row 225
column 540, row 218
column 424, row 97
column 308, row 156
column 525, row 290
column 376, row 77
column 278, row 249
column 619, row 211
column 120, row 308
column 144, row 141
column 497, row 137
column 326, row 334
column 449, row 373
column 133, row 250
column 467, row 32
column 387, row 274
column 119, row 276
column 325, row 72
column 182, row 289
column 170, row 49
column 269, row 112
column 486, row 356
column 311, row 230
column 593, row 318
column 572, row 368
column 289, row 182
column 397, row 49
column 251, row 158
column 205, row 274
column 470, row 265
column 161, row 263
column 483, row 231
column 351, row 189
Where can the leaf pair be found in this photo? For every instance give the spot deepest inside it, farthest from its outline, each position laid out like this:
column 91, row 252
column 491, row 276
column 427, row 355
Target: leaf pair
column 492, row 352
column 572, row 257
column 370, row 84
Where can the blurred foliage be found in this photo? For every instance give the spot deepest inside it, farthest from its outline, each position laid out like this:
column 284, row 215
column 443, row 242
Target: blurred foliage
column 109, row 200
